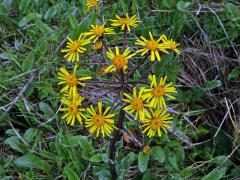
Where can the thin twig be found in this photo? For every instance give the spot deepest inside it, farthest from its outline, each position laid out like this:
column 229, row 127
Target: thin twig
column 171, row 110
column 102, row 82
column 32, row 75
column 224, row 118
column 136, row 67
column 98, row 97
column 231, row 153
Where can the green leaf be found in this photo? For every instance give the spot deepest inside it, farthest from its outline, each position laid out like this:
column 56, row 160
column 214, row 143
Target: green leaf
column 33, row 161
column 32, row 16
column 51, row 12
column 86, row 147
column 28, row 63
column 125, row 164
column 23, row 5
column 134, row 6
column 70, row 173
column 187, row 171
column 209, row 85
column 143, row 161
column 30, row 134
column 73, row 22
column 149, row 176
column 83, row 72
column 223, row 161
column 180, row 155
column 235, row 73
column 3, row 9
column 15, row 144
column 96, row 158
column 173, row 162
column 158, row 153
column 233, row 9
column 43, row 27
column 47, row 110
column 215, row 174
column 168, row 3
column 8, row 160
column 183, row 5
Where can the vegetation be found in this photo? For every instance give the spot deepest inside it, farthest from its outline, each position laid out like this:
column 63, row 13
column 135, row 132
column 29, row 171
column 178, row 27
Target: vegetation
column 203, row 140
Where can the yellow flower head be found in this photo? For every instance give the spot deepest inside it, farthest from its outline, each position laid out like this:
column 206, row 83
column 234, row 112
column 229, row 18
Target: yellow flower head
column 152, row 46
column 98, row 31
column 158, row 121
column 74, row 48
column 97, row 46
column 72, row 104
column 119, row 61
column 146, row 149
column 70, row 80
column 171, row 44
column 92, row 3
column 125, row 22
column 100, row 121
column 157, row 92
column 136, row 104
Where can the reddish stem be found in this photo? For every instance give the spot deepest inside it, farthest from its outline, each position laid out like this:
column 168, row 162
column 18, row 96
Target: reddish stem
column 112, row 146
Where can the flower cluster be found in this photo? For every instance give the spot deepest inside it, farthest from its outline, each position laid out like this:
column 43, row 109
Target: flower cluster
column 149, row 105
column 146, row 103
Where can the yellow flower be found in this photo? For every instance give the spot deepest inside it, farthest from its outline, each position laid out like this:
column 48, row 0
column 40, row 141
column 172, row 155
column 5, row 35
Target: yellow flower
column 98, row 31
column 158, row 121
column 119, row 61
column 70, row 80
column 136, row 104
column 97, row 46
column 99, row 121
column 92, row 3
column 171, row 44
column 157, row 92
column 152, row 46
column 125, row 22
column 72, row 103
column 74, row 48
column 146, row 149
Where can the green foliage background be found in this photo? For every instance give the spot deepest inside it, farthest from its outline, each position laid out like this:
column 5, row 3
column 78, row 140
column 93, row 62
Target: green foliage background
column 207, row 74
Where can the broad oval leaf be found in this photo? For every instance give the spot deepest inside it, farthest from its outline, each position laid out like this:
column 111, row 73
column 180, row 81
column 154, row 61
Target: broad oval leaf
column 215, row 174
column 158, row 153
column 33, row 161
column 143, row 161
column 96, row 158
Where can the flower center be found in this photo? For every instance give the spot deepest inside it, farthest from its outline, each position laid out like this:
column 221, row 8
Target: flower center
column 119, row 61
column 99, row 30
column 152, row 45
column 74, row 46
column 158, row 91
column 137, row 104
column 156, row 123
column 98, row 120
column 125, row 21
column 72, row 80
column 72, row 109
